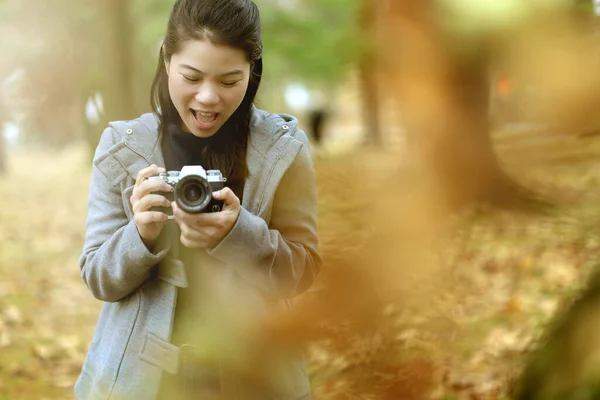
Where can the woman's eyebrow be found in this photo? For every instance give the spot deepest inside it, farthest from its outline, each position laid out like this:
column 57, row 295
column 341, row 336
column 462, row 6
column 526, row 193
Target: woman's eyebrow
column 235, row 72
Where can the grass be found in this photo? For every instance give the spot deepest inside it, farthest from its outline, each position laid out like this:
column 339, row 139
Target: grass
column 46, row 312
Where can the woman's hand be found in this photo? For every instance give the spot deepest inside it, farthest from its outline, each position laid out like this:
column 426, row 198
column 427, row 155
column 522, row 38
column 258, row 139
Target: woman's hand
column 208, row 229
column 149, row 223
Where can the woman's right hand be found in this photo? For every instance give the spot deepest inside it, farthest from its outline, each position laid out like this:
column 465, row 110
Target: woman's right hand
column 149, row 223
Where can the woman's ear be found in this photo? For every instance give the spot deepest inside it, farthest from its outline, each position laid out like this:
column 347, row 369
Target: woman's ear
column 164, row 53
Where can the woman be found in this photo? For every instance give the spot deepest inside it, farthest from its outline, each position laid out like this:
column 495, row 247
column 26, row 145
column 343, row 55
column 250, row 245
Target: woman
column 182, row 296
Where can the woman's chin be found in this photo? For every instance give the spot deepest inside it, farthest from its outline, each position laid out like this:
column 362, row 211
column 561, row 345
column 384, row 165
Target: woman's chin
column 204, row 134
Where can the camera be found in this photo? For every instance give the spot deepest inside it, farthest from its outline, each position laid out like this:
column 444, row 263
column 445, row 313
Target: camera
column 192, row 189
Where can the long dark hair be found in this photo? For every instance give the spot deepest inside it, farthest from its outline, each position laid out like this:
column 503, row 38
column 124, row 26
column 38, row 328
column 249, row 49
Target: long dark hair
column 227, row 22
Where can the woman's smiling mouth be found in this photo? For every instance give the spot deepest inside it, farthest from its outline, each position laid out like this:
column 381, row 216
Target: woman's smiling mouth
column 204, row 120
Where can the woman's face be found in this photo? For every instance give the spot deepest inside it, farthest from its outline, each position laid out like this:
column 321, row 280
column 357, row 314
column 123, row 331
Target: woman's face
column 207, row 83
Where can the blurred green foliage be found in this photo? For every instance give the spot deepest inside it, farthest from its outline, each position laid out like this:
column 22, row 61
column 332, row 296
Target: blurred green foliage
column 65, row 50
column 314, row 40
column 306, row 40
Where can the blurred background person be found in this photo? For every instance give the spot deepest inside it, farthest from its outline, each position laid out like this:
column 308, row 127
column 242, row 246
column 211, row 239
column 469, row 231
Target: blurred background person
column 318, row 116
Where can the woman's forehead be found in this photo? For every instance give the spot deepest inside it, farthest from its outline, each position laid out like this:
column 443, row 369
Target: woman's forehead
column 209, row 58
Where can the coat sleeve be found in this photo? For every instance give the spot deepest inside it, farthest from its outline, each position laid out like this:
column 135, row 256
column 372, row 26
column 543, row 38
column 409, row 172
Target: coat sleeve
column 115, row 261
column 280, row 258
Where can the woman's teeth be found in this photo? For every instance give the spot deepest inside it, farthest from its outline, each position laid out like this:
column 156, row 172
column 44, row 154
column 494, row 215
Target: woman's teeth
column 205, row 116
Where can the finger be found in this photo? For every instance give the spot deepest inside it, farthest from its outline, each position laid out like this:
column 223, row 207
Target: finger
column 191, row 233
column 150, row 186
column 185, row 229
column 229, row 198
column 190, row 244
column 148, row 217
column 149, row 201
column 197, row 221
column 181, row 216
column 191, row 237
column 147, row 172
column 178, row 215
column 198, row 235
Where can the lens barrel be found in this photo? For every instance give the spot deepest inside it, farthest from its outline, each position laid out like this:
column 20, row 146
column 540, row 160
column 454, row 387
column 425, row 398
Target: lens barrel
column 193, row 193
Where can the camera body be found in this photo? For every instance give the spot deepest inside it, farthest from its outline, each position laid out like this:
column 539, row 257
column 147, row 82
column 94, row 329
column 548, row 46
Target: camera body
column 192, row 189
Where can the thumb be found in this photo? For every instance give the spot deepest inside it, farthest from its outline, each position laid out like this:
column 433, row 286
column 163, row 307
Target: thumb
column 229, row 198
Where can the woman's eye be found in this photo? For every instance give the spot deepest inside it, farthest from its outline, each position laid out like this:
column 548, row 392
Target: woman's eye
column 230, row 84
column 187, row 78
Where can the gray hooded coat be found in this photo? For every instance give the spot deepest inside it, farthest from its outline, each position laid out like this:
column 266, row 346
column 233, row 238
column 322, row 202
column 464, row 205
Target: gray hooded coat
column 269, row 256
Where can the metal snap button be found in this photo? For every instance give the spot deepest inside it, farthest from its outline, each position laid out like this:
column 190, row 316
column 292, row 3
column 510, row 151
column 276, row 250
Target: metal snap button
column 129, row 131
column 285, row 127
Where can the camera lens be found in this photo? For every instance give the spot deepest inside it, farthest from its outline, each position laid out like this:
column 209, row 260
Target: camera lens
column 193, row 193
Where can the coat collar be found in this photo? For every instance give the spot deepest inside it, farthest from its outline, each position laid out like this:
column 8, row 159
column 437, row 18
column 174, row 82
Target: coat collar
column 143, row 137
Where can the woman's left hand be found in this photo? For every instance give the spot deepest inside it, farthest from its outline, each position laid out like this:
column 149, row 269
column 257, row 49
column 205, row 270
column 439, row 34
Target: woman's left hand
column 208, row 229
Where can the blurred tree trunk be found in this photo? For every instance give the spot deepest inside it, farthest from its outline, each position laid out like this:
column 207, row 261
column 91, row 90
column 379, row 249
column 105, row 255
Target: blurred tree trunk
column 118, row 51
column 443, row 90
column 463, row 156
column 49, row 91
column 117, row 31
column 368, row 69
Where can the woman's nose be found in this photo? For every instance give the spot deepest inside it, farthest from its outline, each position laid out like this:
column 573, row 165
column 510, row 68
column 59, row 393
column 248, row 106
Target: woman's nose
column 207, row 95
